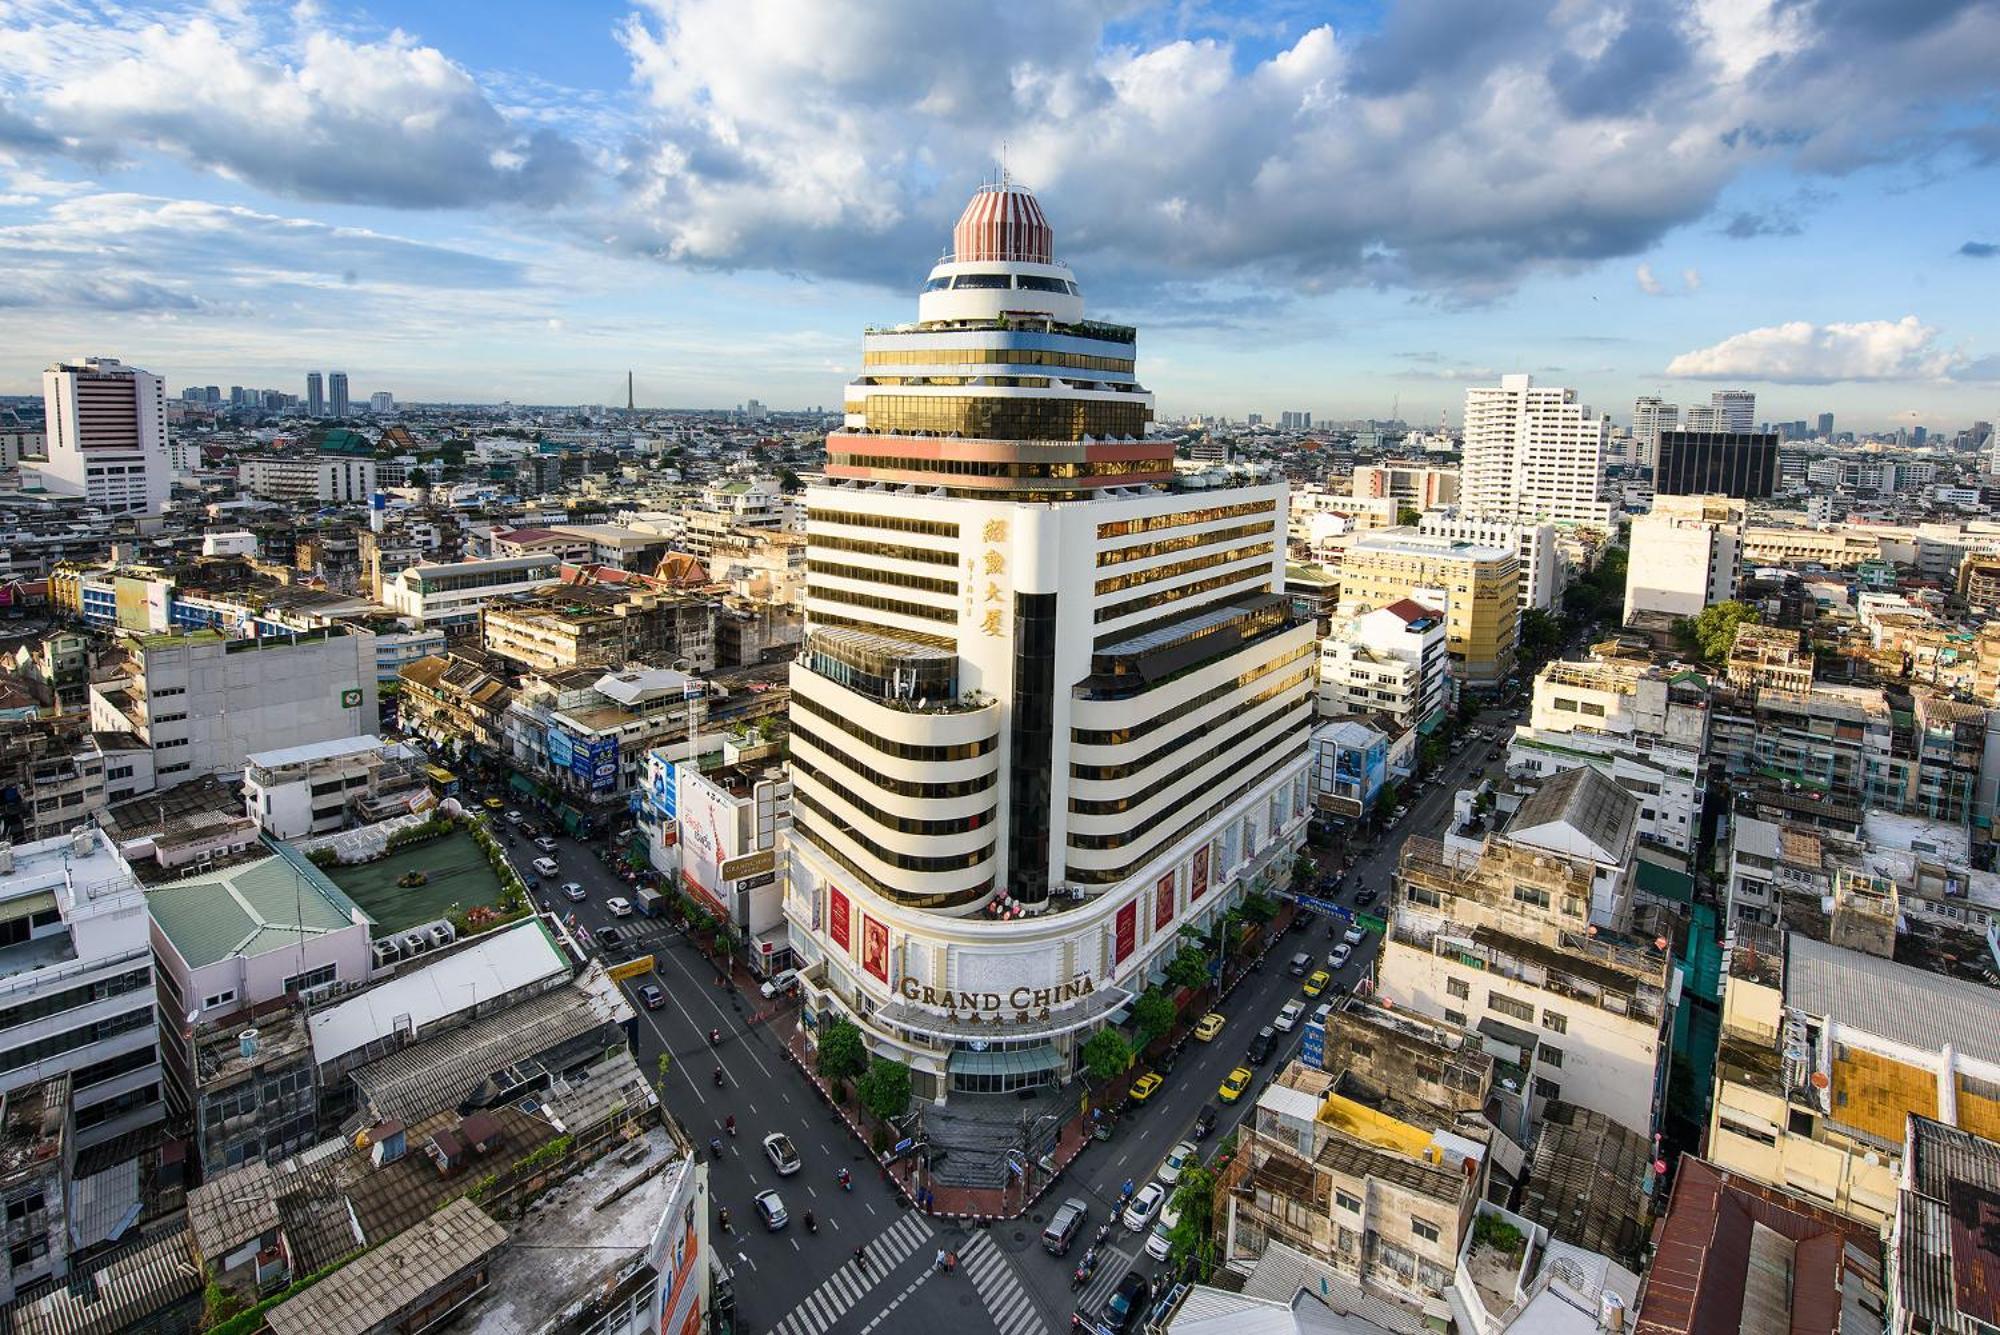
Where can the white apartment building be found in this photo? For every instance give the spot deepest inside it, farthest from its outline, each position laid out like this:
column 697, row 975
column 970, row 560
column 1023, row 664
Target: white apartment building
column 1544, row 572
column 1735, row 409
column 107, row 435
column 1051, row 707
column 1393, row 661
column 1524, row 935
column 305, row 790
column 1640, row 726
column 328, row 479
column 76, row 981
column 1686, row 555
column 202, row 702
column 1650, row 416
column 1533, row 453
column 79, row 1050
column 449, row 596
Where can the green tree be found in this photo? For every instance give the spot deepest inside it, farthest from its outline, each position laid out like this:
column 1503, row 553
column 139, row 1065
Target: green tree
column 1259, row 908
column 1385, row 800
column 1541, row 635
column 418, row 478
column 1188, row 967
column 1107, row 1054
column 1408, row 515
column 789, row 482
column 885, row 1088
column 1152, row 1014
column 1191, row 1235
column 1432, row 754
column 1711, row 632
column 842, row 1054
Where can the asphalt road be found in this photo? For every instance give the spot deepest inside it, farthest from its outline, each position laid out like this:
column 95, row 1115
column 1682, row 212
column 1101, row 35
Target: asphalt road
column 798, row 1283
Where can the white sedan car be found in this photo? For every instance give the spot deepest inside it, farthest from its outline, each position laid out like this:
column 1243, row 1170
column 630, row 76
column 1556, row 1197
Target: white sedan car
column 1179, row 1157
column 1289, row 1016
column 1139, row 1214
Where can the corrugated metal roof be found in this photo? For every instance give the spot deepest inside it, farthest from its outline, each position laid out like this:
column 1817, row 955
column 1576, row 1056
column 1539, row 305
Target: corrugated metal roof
column 1587, row 802
column 1283, row 1273
column 1947, row 1266
column 374, row 1287
column 117, row 1295
column 440, row 1072
column 1895, row 1001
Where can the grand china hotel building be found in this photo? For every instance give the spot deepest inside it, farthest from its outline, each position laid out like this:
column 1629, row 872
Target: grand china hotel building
column 1051, row 707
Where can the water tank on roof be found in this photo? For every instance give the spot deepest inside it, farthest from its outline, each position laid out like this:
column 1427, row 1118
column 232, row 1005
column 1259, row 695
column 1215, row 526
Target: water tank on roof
column 246, row 1043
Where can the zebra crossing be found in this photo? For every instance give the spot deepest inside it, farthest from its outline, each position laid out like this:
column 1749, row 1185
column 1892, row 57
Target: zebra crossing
column 849, row 1284
column 1007, row 1301
column 1111, row 1268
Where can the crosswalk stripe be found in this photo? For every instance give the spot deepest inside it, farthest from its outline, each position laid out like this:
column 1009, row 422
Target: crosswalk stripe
column 1007, row 1301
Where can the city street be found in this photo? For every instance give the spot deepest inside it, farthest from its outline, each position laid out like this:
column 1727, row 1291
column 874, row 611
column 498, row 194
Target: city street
column 803, row 1284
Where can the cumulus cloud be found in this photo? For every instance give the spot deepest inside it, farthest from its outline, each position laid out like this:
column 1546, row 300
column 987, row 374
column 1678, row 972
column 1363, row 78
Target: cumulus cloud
column 391, row 123
column 1979, row 250
column 1691, row 279
column 1802, row 353
column 1459, row 149
column 1648, row 284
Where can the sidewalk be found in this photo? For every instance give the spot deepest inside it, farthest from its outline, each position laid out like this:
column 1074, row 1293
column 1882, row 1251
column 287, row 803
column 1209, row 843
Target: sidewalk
column 968, row 1203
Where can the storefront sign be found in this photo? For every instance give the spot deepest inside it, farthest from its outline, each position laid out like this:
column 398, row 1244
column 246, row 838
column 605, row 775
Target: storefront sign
column 1127, row 936
column 1163, row 902
column 875, row 947
column 1199, row 887
column 981, row 1005
column 839, row 919
column 750, row 864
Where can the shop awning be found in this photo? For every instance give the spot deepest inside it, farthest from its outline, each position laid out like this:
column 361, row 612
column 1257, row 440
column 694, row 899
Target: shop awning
column 1008, row 1061
column 521, row 783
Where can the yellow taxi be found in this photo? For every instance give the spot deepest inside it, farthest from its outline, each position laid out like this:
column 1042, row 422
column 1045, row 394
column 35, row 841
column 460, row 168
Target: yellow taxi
column 1234, row 1084
column 1317, row 983
column 493, row 804
column 1210, row 1025
column 1143, row 1087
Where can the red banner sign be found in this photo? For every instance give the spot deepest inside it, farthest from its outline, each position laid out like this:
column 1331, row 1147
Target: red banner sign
column 1163, row 902
column 1199, row 886
column 875, row 947
column 1128, row 933
column 838, row 919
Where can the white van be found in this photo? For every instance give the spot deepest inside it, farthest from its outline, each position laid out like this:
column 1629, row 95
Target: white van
column 546, row 867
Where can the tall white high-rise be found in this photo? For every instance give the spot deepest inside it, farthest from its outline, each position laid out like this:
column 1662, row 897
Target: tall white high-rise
column 1532, row 453
column 107, row 434
column 1651, row 416
column 1052, row 707
column 1736, row 409
column 315, row 395
column 336, row 386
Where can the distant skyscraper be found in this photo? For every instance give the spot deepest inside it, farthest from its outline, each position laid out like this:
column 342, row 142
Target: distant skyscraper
column 628, row 391
column 1651, row 416
column 236, row 396
column 107, row 434
column 1826, row 425
column 1702, row 417
column 381, row 401
column 1743, row 464
column 337, row 391
column 1532, row 453
column 1738, row 409
column 315, row 395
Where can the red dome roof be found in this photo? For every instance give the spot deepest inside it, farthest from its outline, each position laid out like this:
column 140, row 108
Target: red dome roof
column 1003, row 222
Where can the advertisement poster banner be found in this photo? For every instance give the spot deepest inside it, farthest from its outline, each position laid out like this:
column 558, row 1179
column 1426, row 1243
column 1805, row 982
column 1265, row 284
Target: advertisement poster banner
column 1199, row 886
column 561, row 748
column 1163, row 902
column 1127, row 938
column 875, row 947
column 839, row 919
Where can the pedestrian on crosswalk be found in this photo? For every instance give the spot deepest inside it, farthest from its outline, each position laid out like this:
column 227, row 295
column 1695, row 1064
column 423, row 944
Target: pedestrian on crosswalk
column 939, row 1263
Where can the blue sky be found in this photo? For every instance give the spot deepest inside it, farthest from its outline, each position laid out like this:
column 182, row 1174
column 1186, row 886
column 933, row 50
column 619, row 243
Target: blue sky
column 1345, row 207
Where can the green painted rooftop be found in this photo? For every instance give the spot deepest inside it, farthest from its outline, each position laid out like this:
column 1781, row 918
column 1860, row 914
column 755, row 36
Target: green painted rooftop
column 252, row 908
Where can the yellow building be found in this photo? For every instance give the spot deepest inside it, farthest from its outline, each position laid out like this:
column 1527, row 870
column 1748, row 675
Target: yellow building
column 1826, row 1052
column 1478, row 586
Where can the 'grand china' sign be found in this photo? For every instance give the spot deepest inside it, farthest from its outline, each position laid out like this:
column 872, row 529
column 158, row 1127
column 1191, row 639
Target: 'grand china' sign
column 1024, row 1003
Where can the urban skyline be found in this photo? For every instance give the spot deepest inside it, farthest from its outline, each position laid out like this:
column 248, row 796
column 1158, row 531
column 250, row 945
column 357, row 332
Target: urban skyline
column 516, row 221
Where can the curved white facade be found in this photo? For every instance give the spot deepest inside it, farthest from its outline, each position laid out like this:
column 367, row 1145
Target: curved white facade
column 1050, row 710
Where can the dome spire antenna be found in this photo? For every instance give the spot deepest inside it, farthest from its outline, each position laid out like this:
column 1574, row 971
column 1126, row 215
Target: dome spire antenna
column 1003, row 164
